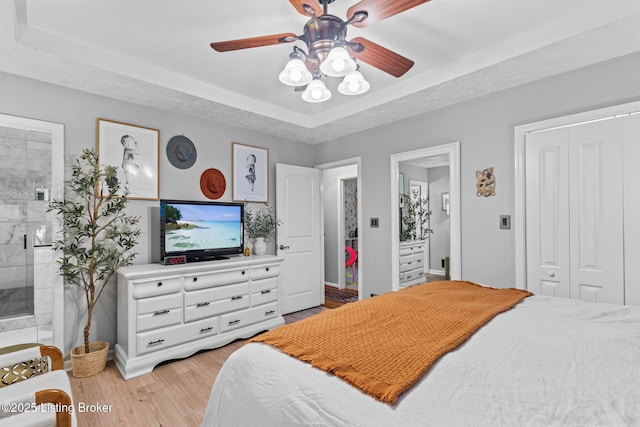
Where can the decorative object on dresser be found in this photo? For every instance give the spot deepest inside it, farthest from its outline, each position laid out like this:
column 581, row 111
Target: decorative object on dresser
column 250, row 173
column 133, row 149
column 97, row 238
column 412, row 262
column 259, row 226
column 169, row 312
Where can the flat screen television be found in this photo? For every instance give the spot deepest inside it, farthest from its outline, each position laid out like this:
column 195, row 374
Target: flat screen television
column 201, row 231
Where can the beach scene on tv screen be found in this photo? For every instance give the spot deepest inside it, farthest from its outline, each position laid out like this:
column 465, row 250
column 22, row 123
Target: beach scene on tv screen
column 194, row 227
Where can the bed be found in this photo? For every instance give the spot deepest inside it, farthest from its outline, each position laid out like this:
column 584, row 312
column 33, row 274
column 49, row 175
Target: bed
column 545, row 362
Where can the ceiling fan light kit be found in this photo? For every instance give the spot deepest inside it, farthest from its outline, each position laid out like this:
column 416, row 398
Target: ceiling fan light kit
column 295, row 73
column 316, row 91
column 353, row 84
column 328, row 52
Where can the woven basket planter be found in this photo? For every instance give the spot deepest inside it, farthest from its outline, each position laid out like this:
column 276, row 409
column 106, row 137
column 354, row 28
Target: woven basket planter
column 88, row 364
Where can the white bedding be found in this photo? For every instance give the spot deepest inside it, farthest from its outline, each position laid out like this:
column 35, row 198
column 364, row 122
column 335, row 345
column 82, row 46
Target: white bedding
column 547, row 362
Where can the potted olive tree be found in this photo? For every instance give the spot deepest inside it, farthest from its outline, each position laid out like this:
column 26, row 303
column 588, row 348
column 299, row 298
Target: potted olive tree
column 96, row 238
column 259, row 226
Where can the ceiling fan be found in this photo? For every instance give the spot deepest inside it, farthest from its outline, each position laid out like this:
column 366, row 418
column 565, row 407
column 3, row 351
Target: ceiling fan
column 328, row 52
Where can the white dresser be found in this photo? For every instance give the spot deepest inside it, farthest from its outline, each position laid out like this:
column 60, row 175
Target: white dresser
column 412, row 262
column 170, row 312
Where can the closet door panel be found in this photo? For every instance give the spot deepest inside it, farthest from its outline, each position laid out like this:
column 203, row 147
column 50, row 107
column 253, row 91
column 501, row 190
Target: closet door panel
column 631, row 180
column 596, row 211
column 547, row 212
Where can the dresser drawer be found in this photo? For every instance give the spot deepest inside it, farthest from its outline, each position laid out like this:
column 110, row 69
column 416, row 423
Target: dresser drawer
column 265, row 272
column 209, row 295
column 264, row 296
column 411, row 275
column 201, row 329
column 261, row 285
column 405, row 251
column 155, row 287
column 247, row 317
column 237, row 302
column 411, row 265
column 208, row 280
column 159, row 319
column 150, row 305
column 158, row 340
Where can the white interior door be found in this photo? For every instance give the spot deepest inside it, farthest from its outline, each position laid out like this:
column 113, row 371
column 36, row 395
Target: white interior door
column 631, row 150
column 574, row 211
column 299, row 240
column 547, row 211
column 596, row 200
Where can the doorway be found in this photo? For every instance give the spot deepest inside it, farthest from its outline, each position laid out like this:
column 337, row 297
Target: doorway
column 33, row 174
column 447, row 155
column 342, row 215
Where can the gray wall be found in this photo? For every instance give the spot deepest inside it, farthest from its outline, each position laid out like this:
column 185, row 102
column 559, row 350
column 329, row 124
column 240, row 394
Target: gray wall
column 78, row 112
column 484, row 127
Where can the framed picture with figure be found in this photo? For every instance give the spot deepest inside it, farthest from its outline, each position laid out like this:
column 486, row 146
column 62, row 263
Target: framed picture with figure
column 133, row 150
column 250, row 173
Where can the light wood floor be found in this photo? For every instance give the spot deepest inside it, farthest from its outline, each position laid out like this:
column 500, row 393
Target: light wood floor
column 173, row 394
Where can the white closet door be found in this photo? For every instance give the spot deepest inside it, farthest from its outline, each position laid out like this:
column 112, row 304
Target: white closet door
column 547, row 212
column 596, row 211
column 631, row 160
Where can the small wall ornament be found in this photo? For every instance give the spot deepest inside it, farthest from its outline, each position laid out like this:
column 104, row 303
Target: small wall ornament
column 486, row 183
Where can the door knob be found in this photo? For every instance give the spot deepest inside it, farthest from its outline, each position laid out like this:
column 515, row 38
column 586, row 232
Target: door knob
column 283, row 247
column 551, row 273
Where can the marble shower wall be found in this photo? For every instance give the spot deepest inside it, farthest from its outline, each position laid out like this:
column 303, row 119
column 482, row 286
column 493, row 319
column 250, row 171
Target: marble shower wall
column 25, row 166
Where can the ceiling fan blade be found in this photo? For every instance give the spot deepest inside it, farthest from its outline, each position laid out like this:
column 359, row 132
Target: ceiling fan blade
column 378, row 10
column 228, row 45
column 307, row 7
column 379, row 57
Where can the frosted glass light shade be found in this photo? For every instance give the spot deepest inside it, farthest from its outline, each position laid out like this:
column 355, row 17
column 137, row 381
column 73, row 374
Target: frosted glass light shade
column 316, row 92
column 338, row 63
column 295, row 73
column 353, row 84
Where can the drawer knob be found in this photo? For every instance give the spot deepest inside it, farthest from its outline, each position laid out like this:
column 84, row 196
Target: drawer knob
column 267, row 269
column 237, row 297
column 158, row 313
column 234, row 322
column 155, row 343
column 203, row 304
column 159, row 284
column 195, row 279
column 205, row 330
column 266, row 291
column 243, row 272
column 269, row 313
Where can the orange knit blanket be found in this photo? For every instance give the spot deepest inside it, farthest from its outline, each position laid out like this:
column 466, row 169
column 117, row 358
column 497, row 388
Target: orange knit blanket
column 384, row 345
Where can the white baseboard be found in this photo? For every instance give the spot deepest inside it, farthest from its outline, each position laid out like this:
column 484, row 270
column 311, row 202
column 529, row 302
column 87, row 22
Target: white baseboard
column 333, row 285
column 438, row 272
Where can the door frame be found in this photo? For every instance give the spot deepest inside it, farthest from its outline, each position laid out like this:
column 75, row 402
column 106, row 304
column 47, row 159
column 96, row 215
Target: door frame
column 520, row 134
column 339, row 163
column 56, row 130
column 452, row 150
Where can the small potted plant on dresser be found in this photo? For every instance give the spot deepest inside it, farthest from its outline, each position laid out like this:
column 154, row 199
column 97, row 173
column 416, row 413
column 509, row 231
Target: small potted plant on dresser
column 97, row 237
column 259, row 226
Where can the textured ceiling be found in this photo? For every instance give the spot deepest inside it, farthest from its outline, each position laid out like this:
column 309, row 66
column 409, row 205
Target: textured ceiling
column 156, row 52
